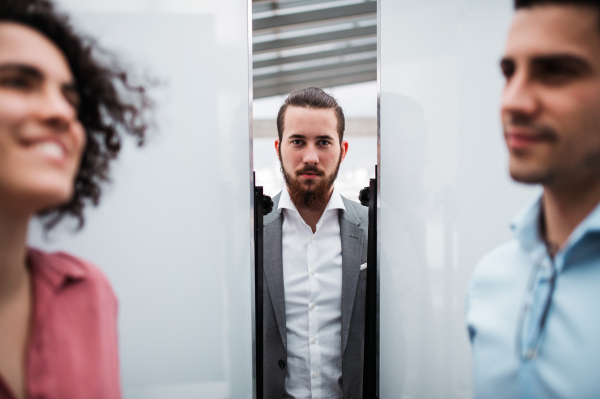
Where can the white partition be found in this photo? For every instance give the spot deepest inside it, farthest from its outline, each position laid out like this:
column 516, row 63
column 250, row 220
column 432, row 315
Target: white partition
column 445, row 194
column 173, row 231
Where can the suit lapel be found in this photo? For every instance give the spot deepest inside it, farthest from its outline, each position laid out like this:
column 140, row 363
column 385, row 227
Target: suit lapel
column 352, row 244
column 273, row 266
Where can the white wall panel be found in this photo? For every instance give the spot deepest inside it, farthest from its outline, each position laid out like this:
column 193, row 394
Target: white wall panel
column 173, row 231
column 445, row 194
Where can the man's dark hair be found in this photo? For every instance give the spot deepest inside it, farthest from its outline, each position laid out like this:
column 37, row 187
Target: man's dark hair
column 311, row 97
column 531, row 3
column 110, row 105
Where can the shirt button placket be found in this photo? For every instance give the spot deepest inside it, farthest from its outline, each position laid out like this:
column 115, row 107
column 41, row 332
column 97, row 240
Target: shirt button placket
column 312, row 315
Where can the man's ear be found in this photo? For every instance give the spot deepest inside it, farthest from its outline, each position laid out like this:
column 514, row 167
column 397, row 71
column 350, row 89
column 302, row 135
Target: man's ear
column 277, row 148
column 344, row 147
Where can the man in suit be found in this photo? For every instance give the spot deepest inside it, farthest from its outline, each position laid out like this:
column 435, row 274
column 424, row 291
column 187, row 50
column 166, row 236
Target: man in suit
column 315, row 253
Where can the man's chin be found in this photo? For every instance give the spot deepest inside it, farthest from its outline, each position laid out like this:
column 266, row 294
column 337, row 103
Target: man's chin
column 308, row 184
column 530, row 175
column 311, row 179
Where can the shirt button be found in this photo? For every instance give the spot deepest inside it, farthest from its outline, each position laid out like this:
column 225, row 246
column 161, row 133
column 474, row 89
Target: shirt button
column 530, row 354
column 312, row 239
column 312, row 305
column 314, row 341
column 312, row 272
column 314, row 375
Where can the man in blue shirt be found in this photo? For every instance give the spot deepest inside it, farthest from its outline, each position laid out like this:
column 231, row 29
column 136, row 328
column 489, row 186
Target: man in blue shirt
column 533, row 308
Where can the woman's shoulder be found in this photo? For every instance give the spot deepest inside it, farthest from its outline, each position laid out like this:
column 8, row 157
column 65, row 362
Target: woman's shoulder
column 61, row 269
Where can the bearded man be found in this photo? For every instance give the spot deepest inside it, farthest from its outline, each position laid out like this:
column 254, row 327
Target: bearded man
column 315, row 253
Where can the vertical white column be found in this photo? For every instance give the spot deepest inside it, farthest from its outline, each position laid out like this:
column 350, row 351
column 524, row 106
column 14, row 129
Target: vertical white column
column 445, row 194
column 173, row 231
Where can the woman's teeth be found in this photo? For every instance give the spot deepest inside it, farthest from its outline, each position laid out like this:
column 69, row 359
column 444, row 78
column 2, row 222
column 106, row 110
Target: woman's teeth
column 50, row 149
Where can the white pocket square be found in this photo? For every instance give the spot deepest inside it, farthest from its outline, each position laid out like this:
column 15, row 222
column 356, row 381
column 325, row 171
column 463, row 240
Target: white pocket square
column 363, row 266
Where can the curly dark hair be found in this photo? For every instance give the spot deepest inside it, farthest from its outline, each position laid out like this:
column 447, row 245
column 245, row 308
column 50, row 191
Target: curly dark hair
column 111, row 107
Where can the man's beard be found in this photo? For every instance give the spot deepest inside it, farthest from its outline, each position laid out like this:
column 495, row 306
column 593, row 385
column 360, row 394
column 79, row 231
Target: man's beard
column 543, row 174
column 316, row 197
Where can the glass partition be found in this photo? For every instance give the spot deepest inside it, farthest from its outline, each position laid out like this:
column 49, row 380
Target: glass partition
column 445, row 195
column 173, row 230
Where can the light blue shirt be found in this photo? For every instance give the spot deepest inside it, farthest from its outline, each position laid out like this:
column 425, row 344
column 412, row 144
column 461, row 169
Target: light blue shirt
column 506, row 306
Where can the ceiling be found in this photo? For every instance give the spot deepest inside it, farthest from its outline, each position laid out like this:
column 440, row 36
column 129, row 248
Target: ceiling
column 324, row 43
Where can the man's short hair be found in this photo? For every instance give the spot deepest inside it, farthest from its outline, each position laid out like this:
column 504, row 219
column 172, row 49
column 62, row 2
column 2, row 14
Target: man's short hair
column 315, row 98
column 531, row 3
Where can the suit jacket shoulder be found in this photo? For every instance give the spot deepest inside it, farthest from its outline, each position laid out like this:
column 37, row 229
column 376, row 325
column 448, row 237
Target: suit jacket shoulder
column 275, row 213
column 356, row 213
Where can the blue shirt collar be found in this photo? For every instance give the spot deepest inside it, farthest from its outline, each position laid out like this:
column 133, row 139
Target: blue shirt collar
column 525, row 226
column 589, row 225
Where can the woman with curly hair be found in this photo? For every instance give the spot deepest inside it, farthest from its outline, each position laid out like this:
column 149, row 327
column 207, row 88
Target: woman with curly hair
column 63, row 115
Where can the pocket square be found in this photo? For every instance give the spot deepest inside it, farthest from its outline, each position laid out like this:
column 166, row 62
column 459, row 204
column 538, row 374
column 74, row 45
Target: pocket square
column 363, row 266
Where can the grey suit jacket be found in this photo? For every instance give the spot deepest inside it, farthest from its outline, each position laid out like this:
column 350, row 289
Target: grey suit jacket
column 354, row 232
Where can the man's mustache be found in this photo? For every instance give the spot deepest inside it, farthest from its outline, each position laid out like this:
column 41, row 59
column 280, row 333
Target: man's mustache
column 310, row 169
column 540, row 131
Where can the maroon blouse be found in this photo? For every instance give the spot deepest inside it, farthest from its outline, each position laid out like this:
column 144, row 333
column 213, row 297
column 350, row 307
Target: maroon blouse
column 72, row 351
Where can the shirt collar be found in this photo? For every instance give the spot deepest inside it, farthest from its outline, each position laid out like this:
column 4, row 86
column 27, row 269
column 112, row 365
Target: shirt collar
column 526, row 225
column 589, row 225
column 335, row 202
column 56, row 269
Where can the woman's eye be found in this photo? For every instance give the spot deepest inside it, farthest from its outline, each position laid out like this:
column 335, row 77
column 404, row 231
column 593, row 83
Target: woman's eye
column 73, row 99
column 15, row 82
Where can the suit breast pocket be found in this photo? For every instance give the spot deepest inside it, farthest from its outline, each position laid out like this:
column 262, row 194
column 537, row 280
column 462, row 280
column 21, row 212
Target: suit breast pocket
column 363, row 275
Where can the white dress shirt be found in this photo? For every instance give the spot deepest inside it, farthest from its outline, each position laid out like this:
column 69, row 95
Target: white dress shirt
column 312, row 277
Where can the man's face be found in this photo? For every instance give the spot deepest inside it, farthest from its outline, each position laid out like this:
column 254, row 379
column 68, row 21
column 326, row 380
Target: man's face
column 551, row 100
column 310, row 154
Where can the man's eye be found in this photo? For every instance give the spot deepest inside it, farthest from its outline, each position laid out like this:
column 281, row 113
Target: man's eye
column 508, row 68
column 296, row 142
column 508, row 72
column 324, row 143
column 556, row 73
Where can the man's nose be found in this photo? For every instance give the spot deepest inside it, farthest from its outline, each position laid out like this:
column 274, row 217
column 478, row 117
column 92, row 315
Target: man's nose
column 519, row 97
column 310, row 155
